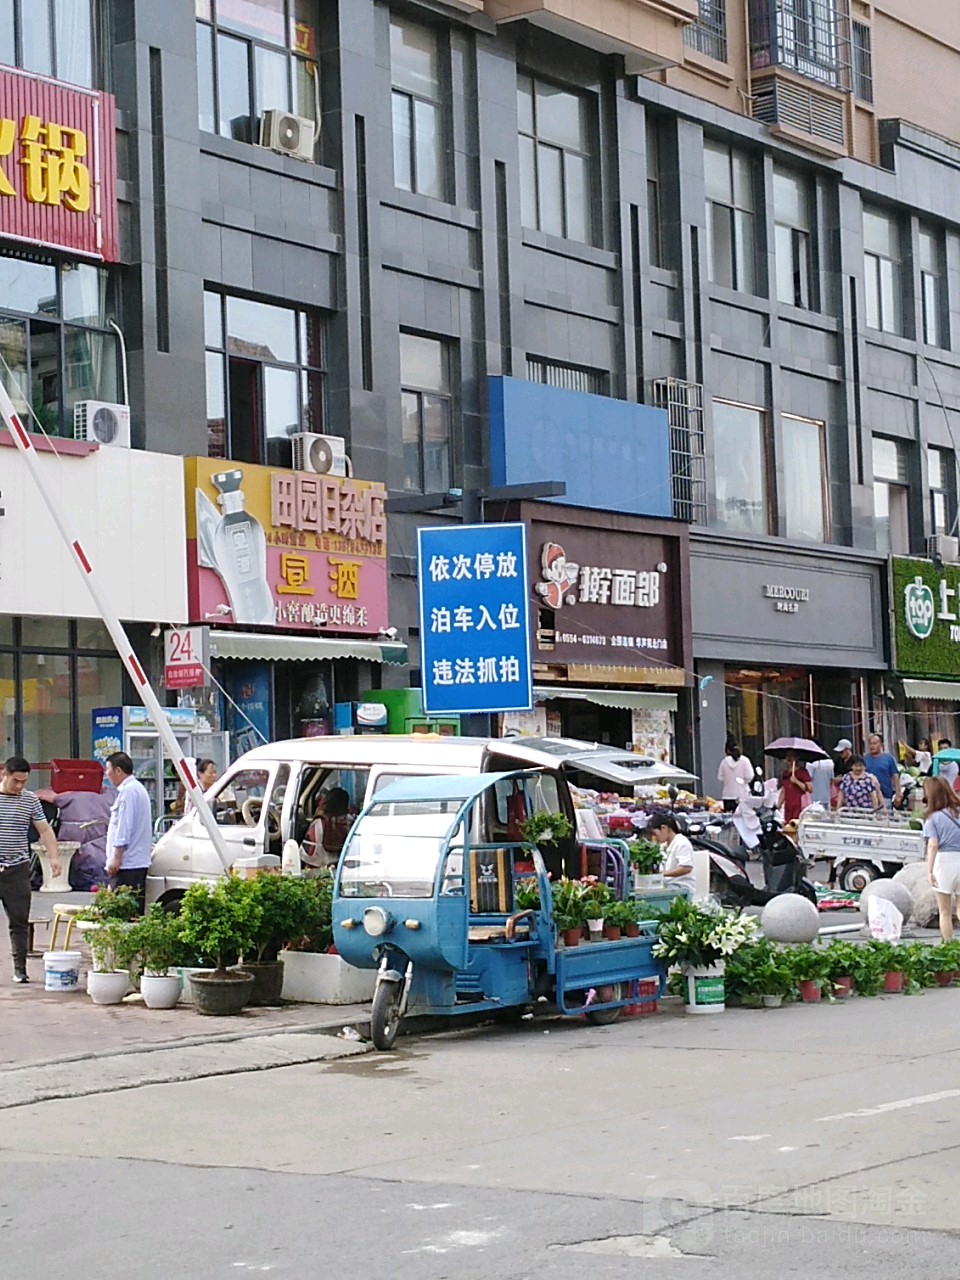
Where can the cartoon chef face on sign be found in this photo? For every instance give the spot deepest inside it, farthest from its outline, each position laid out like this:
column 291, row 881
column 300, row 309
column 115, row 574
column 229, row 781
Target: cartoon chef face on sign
column 558, row 573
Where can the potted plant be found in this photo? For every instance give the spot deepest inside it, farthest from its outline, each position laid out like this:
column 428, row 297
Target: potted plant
column 286, row 912
column 155, row 942
column 109, row 979
column 841, row 965
column 545, row 828
column 526, row 894
column 596, row 900
column 943, row 962
column 568, row 909
column 698, row 939
column 118, row 905
column 219, row 924
column 621, row 918
column 891, row 962
column 808, row 967
column 312, row 970
column 868, row 970
column 646, row 859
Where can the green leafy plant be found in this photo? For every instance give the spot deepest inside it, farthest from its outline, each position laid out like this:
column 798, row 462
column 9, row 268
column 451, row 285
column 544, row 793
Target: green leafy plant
column 841, row 959
column 597, row 898
column 646, row 856
column 220, row 923
column 759, row 968
column 526, row 894
column 545, row 828
column 868, row 969
column 288, row 907
column 110, row 946
column 621, row 914
column 808, row 964
column 111, row 904
column 567, row 903
column 155, row 942
column 317, row 933
column 695, row 936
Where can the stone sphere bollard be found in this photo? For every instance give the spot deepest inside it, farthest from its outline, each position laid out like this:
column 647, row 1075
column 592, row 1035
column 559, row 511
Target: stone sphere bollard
column 898, row 894
column 912, row 876
column 790, row 918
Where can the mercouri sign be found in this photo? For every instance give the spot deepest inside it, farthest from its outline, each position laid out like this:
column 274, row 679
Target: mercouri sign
column 926, row 617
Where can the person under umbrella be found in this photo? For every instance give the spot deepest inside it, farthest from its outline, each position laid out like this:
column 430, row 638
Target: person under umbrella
column 795, row 783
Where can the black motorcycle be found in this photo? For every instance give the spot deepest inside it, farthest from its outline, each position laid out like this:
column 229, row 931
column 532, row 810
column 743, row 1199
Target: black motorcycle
column 784, row 866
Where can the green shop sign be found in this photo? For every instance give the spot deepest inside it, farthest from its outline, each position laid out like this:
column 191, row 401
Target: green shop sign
column 926, row 618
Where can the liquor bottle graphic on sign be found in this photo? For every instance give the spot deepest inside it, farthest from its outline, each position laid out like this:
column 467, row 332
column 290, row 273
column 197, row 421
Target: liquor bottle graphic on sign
column 240, row 553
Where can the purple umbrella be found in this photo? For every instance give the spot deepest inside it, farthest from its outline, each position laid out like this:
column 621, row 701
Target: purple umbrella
column 802, row 748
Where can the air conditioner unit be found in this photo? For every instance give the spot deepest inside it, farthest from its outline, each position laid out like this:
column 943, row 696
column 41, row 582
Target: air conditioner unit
column 940, row 546
column 289, row 134
column 101, row 423
column 323, row 455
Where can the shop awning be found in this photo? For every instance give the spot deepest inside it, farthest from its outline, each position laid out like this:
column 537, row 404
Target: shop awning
column 251, row 644
column 936, row 690
column 623, row 699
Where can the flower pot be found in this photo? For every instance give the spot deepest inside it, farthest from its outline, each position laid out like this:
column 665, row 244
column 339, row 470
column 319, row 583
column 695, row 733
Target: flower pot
column 611, row 932
column 705, row 990
column 317, row 978
column 809, row 992
column 160, row 990
column 596, row 929
column 571, row 937
column 267, row 982
column 842, row 987
column 893, row 982
column 646, row 883
column 945, row 979
column 108, row 988
column 772, row 1002
column 221, row 996
column 632, row 930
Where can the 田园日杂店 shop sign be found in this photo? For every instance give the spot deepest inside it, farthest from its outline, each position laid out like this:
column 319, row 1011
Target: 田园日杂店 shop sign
column 926, row 617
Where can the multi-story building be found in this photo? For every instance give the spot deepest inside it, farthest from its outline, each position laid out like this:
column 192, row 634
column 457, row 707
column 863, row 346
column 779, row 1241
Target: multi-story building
column 699, row 261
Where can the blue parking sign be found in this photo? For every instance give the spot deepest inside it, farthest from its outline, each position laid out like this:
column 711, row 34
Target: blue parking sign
column 474, row 619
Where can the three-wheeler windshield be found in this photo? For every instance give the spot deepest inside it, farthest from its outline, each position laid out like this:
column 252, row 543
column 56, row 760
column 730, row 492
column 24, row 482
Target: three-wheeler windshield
column 395, row 850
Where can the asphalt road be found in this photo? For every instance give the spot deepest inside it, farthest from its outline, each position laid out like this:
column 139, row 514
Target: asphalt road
column 813, row 1141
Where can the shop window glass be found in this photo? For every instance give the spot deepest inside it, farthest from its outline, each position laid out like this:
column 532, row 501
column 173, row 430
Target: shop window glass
column 740, row 467
column 8, row 703
column 99, row 684
column 92, row 635
column 30, row 287
column 804, row 479
column 39, row 633
column 268, row 384
column 255, row 56
column 6, row 629
column 46, row 692
column 87, row 295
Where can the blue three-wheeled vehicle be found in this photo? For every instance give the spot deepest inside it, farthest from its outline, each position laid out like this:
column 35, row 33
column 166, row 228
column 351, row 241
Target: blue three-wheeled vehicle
column 420, row 896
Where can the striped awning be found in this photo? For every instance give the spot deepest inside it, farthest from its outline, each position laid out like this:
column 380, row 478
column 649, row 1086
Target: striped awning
column 935, row 690
column 623, row 699
column 285, row 648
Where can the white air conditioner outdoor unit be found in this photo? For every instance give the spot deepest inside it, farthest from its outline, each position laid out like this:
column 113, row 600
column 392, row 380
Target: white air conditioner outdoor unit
column 323, row 455
column 289, row 134
column 942, row 546
column 101, row 423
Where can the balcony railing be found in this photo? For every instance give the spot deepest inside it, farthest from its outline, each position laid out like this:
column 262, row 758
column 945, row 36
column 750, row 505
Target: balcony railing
column 683, row 402
column 709, row 33
column 810, row 37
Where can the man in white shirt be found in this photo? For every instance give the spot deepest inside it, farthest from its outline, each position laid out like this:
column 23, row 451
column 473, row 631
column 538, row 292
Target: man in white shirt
column 734, row 775
column 129, row 835
column 678, row 867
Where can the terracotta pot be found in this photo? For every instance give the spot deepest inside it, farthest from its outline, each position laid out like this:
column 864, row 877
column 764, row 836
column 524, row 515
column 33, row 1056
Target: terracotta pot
column 809, row 992
column 842, row 987
column 945, row 979
column 571, row 937
column 611, row 932
column 893, row 982
column 632, row 930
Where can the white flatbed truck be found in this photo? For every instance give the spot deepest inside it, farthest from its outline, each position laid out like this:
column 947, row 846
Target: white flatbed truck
column 861, row 846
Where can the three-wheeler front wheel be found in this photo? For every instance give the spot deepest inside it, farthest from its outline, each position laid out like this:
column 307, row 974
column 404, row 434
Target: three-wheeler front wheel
column 385, row 1014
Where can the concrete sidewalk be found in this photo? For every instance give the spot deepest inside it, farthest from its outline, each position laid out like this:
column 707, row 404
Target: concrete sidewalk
column 43, row 1027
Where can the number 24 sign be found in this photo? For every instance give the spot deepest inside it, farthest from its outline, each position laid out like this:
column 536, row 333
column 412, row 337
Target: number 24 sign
column 186, row 657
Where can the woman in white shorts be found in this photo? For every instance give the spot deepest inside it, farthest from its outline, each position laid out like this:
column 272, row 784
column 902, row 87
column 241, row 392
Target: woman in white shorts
column 941, row 828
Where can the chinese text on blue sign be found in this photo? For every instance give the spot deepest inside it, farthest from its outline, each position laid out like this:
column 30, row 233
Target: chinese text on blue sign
column 474, row 619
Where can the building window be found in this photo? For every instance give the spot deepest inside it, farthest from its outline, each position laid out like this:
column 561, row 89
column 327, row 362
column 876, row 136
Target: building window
column 264, row 378
column 427, row 411
column 740, row 468
column 942, row 487
column 50, row 37
column 862, row 62
column 709, row 33
column 418, row 134
column 56, row 340
column 570, row 377
column 891, row 497
column 255, row 57
column 794, row 242
column 555, row 160
column 731, row 246
column 881, row 270
column 654, row 194
column 804, row 479
column 931, row 287
column 803, row 35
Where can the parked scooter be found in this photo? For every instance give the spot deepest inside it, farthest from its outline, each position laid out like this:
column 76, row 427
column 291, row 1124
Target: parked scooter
column 784, row 866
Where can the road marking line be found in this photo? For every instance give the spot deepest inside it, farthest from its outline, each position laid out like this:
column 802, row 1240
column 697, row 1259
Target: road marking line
column 901, row 1105
column 749, row 1137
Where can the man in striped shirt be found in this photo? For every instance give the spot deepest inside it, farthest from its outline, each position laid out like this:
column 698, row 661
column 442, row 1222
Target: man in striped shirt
column 18, row 808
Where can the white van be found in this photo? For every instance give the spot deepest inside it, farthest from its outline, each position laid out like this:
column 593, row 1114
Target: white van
column 270, row 795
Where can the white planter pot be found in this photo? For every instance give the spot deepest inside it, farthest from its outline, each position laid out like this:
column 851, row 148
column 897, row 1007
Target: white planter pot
column 107, row 988
column 160, row 990
column 645, row 883
column 596, row 929
column 314, row 978
column 772, row 1002
column 705, row 991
